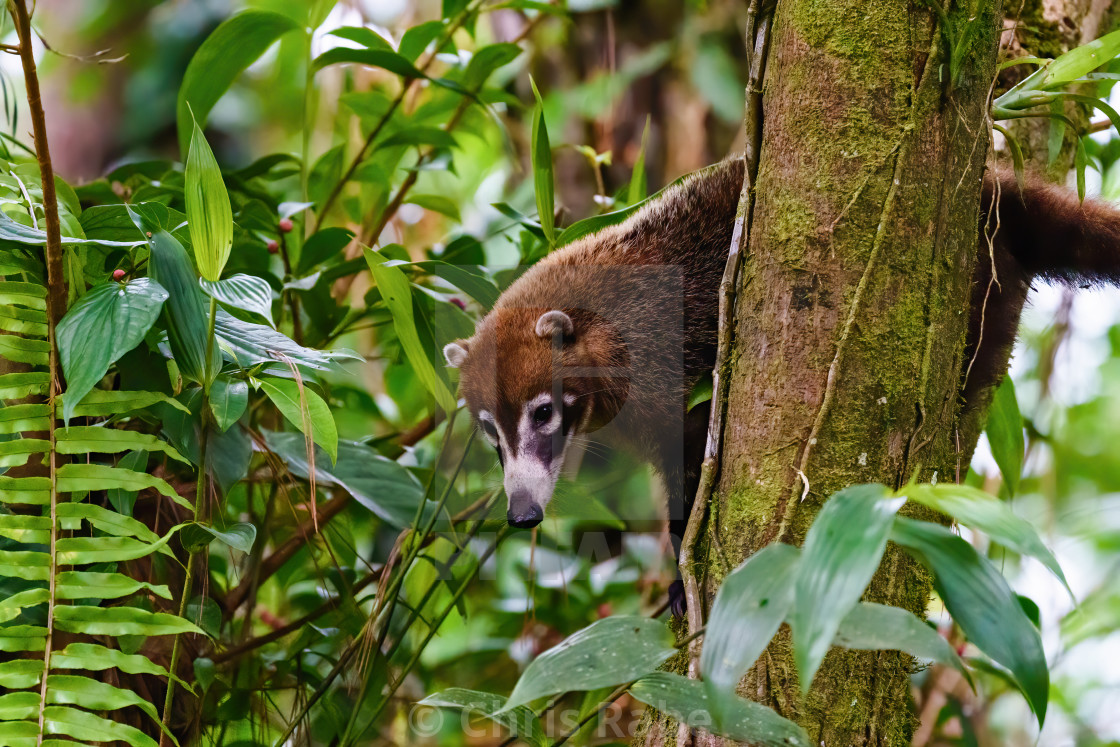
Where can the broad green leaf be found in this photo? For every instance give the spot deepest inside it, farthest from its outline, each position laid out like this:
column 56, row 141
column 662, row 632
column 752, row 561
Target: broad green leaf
column 20, row 385
column 23, row 321
column 874, row 627
column 306, row 410
column 96, row 657
column 245, row 292
column 229, row 399
column 15, row 453
column 25, row 350
column 101, row 403
column 17, row 419
column 71, row 516
column 185, row 311
column 750, row 606
column 381, row 485
column 419, row 135
column 117, row 621
column 842, row 550
column 13, row 231
column 248, row 344
column 31, row 566
column 22, row 638
column 520, row 721
column 464, row 277
column 11, row 607
column 67, row 689
column 397, row 295
column 26, row 529
column 33, row 491
column 28, row 295
column 15, row 706
column 608, row 652
column 365, row 36
column 92, row 728
column 83, row 550
column 122, row 500
column 979, row 510
column 688, row 701
column 418, row 37
column 1005, row 434
column 93, row 439
column 86, row 477
column 982, row 604
column 543, row 182
column 231, row 48
column 91, row 585
column 240, row 536
column 19, row 674
column 209, row 215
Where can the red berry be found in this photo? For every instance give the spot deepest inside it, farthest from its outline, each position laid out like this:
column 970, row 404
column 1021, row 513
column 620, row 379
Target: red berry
column 118, row 274
column 460, row 303
column 285, row 224
column 273, row 246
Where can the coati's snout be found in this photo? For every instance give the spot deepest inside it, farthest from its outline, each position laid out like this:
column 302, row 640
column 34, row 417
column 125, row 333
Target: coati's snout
column 516, row 375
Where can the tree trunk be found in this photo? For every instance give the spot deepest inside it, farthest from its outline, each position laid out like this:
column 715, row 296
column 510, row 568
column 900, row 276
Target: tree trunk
column 851, row 315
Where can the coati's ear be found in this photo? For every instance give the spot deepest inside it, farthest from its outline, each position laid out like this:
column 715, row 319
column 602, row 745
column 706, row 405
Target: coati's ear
column 551, row 322
column 456, row 353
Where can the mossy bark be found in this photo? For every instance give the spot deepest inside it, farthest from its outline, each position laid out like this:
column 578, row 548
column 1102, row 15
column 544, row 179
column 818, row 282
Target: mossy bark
column 851, row 315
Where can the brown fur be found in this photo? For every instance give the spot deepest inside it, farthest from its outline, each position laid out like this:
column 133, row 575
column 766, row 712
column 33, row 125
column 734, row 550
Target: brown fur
column 643, row 299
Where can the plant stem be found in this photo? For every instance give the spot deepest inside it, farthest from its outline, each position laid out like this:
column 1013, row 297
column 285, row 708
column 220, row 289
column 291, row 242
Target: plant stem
column 56, row 308
column 200, row 512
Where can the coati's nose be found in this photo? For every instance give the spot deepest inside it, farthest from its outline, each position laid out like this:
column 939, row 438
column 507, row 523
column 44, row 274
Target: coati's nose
column 523, row 513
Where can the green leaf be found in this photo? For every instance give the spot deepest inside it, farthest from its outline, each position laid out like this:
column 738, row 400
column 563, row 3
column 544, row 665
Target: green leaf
column 21, row 321
column 209, row 215
column 93, row 439
column 71, row 516
column 229, row 398
column 67, row 689
column 419, row 135
column 101, row 403
column 418, row 37
column 464, row 277
column 361, row 35
column 520, row 721
column 121, row 500
column 637, row 191
column 841, row 552
column 874, row 627
column 239, row 537
column 117, row 621
column 688, row 701
column 486, row 61
column 29, row 295
column 306, row 410
column 1079, row 61
column 1080, row 162
column 96, row 657
column 20, row 385
column 978, row 510
column 437, row 203
column 86, row 477
column 397, row 295
column 231, row 48
column 90, row 585
column 185, row 311
column 19, row 674
column 543, row 181
column 381, row 485
column 248, row 344
column 982, row 604
column 749, row 608
column 12, row 231
column 385, row 59
column 607, row 652
column 91, row 728
column 25, row 350
column 245, row 292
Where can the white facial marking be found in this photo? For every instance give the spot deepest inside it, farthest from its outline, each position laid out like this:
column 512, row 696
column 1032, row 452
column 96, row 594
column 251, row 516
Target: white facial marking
column 526, row 472
column 488, row 420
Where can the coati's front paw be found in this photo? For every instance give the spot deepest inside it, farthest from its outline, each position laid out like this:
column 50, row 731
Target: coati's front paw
column 677, row 603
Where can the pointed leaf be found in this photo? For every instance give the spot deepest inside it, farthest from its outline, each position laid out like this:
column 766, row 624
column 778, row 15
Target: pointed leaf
column 306, row 410
column 981, row 602
column 543, row 181
column 229, row 399
column 87, row 477
column 231, row 48
column 842, row 550
column 608, row 652
column 688, row 701
column 117, row 621
column 93, row 439
column 1005, row 434
column 91, row 728
column 981, row 511
column 209, row 215
column 750, row 606
column 874, row 627
column 520, row 721
column 245, row 292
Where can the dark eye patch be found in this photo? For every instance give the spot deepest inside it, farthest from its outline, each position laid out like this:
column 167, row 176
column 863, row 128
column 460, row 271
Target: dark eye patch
column 542, row 415
column 489, row 429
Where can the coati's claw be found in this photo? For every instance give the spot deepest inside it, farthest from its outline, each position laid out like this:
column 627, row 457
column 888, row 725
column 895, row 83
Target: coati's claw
column 677, row 603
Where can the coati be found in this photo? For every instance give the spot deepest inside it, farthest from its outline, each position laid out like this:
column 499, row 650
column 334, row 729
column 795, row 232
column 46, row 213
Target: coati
column 617, row 327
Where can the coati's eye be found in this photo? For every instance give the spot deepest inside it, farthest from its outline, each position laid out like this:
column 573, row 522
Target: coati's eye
column 490, row 431
column 542, row 415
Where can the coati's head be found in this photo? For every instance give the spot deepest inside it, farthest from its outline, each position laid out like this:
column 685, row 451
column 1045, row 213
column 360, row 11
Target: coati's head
column 533, row 380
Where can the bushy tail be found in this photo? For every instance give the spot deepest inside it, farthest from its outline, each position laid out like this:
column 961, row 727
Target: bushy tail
column 1050, row 233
